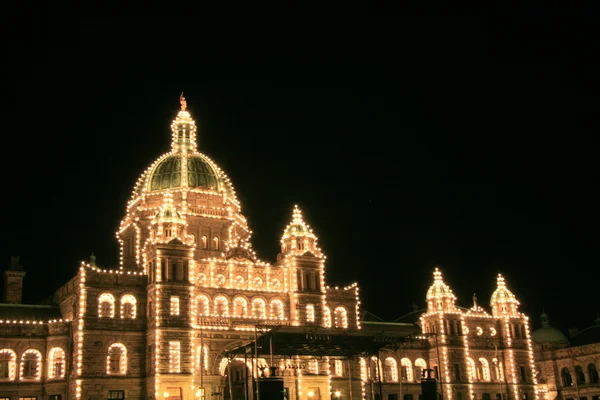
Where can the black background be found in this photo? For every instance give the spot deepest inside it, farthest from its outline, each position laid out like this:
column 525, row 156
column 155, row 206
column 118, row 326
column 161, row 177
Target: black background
column 408, row 142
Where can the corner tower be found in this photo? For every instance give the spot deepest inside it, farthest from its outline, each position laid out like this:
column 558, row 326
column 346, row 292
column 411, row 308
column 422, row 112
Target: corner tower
column 198, row 191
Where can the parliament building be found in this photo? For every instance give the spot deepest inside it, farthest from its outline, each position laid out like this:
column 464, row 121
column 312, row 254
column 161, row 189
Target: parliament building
column 192, row 313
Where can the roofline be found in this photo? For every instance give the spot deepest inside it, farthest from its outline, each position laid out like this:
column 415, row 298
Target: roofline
column 28, row 305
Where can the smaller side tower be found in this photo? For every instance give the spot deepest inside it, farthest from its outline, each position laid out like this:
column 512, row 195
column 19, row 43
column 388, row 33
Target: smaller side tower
column 12, row 288
column 306, row 265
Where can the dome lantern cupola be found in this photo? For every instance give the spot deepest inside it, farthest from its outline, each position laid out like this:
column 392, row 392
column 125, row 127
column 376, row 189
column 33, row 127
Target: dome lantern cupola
column 183, row 130
column 503, row 301
column 440, row 296
column 298, row 238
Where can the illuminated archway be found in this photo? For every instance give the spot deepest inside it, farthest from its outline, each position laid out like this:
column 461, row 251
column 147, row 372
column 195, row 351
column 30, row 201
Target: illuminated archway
column 56, row 363
column 116, row 359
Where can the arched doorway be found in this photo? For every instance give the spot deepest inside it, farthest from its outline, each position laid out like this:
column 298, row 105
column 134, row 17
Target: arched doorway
column 241, row 381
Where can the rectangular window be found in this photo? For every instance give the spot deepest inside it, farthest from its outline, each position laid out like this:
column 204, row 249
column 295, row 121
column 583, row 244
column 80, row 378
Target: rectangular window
column 485, row 396
column 392, row 397
column 55, row 397
column 174, row 305
column 456, row 371
column 523, row 375
column 4, row 398
column 174, row 357
column 116, row 394
column 4, row 371
column 310, row 313
column 408, row 397
column 437, row 372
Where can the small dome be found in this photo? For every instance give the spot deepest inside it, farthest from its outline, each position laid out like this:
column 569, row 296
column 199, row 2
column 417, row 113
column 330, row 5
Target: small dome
column 502, row 294
column 439, row 290
column 548, row 334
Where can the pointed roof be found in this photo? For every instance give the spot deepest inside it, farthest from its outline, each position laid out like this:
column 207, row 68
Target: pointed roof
column 298, row 228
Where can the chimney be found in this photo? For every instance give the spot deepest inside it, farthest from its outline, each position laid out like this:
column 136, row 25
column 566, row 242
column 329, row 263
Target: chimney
column 13, row 282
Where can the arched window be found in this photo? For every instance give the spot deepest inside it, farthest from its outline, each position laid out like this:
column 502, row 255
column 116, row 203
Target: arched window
column 483, row 370
column 128, row 306
column 580, row 375
column 116, row 360
column 193, row 237
column 313, row 367
column 221, row 306
column 56, row 363
column 277, row 309
column 240, row 307
column 407, row 373
column 8, row 361
column 566, row 377
column 420, row 365
column 31, row 364
column 201, row 279
column 106, row 305
column 326, row 317
column 496, row 370
column 341, row 317
column 204, row 242
column 593, row 373
column 216, row 243
column 202, row 306
column 471, row 370
column 258, row 308
column 390, row 370
column 202, row 358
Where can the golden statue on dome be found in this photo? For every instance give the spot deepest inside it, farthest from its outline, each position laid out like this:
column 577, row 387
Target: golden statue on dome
column 183, row 102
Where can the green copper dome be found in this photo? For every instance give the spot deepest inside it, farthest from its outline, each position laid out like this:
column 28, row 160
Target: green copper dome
column 548, row 334
column 199, row 171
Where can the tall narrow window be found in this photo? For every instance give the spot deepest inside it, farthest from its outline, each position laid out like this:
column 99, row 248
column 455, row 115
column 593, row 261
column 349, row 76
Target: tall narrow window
column 106, row 305
column 593, row 373
column 580, row 375
column 174, row 357
column 310, row 313
column 56, row 363
column 128, row 306
column 341, row 318
column 221, row 306
column 407, row 367
column 420, row 365
column 566, row 377
column 339, row 368
column 216, row 243
column 31, row 364
column 116, row 360
column 8, row 361
column 523, row 374
column 174, row 305
column 326, row 317
column 390, row 370
column 202, row 306
column 277, row 309
column 258, row 308
column 240, row 307
column 204, row 242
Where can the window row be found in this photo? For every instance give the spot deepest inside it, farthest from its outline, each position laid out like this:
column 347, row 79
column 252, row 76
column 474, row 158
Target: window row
column 30, row 365
column 240, row 307
column 567, row 380
column 483, row 371
column 107, row 306
column 170, row 270
column 340, row 317
column 203, row 244
column 389, row 367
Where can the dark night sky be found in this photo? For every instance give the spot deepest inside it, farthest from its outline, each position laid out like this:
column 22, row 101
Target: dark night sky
column 408, row 142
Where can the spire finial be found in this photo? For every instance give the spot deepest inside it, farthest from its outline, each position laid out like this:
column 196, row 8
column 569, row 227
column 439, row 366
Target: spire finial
column 92, row 260
column 474, row 300
column 182, row 102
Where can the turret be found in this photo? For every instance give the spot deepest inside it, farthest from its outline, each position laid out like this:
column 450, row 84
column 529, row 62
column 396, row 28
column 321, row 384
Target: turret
column 298, row 238
column 503, row 302
column 12, row 288
column 440, row 296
